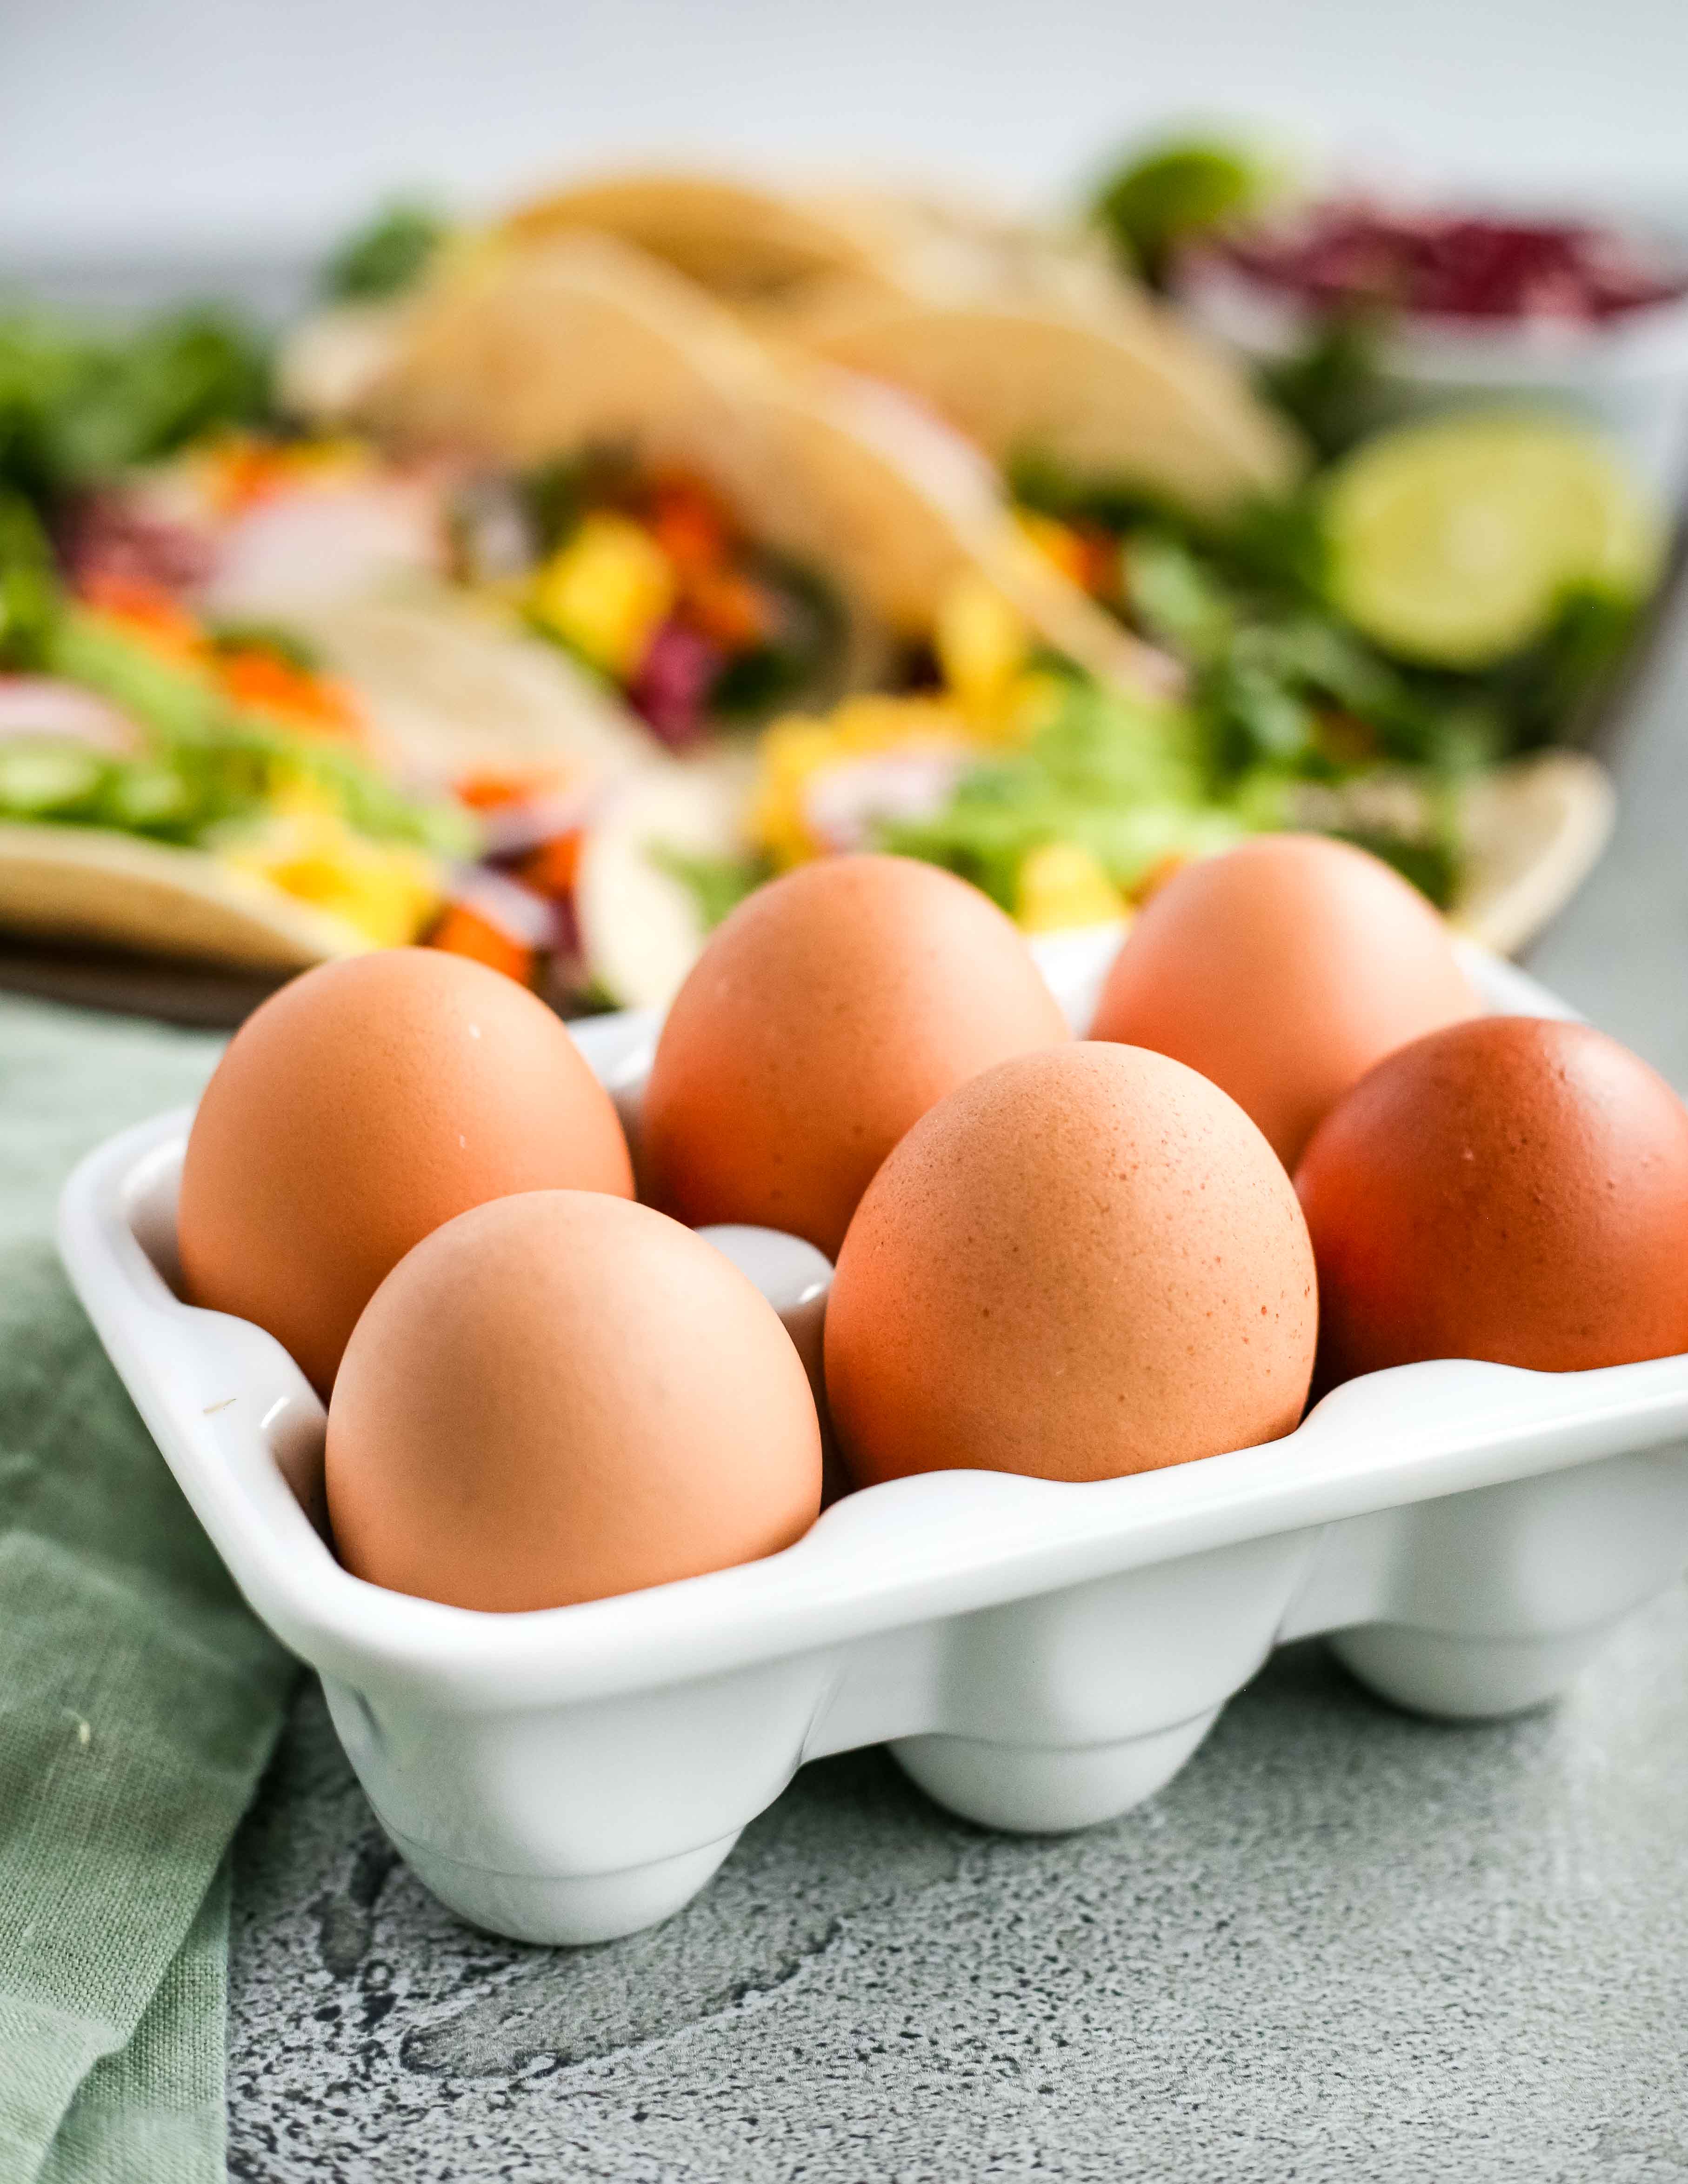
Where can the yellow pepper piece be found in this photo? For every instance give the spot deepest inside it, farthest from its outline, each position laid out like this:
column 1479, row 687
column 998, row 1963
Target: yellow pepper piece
column 981, row 643
column 797, row 748
column 1063, row 884
column 604, row 591
column 387, row 891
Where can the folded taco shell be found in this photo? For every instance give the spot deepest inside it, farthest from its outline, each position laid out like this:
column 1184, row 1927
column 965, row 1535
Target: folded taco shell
column 524, row 355
column 85, row 884
column 1026, row 339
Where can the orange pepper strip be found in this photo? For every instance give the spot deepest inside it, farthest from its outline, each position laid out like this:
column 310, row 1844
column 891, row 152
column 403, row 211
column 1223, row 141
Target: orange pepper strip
column 149, row 613
column 273, row 685
column 1097, row 561
column 246, row 470
column 688, row 524
column 464, row 932
column 728, row 607
column 491, row 792
column 550, row 869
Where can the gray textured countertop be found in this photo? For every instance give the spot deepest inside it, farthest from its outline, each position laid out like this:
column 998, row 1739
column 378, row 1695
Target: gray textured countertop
column 1343, row 1945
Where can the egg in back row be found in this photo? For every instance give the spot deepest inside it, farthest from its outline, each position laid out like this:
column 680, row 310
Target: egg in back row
column 1073, row 1258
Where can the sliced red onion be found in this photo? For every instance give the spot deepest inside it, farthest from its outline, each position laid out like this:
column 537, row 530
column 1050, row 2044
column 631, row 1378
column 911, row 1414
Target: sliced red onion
column 528, row 919
column 844, row 804
column 43, row 705
column 112, row 538
column 320, row 544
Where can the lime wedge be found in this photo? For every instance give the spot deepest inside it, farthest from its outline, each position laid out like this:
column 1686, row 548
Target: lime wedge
column 1453, row 541
column 1177, row 189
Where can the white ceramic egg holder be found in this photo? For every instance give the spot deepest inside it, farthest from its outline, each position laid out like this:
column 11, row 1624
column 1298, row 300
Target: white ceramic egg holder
column 1038, row 1655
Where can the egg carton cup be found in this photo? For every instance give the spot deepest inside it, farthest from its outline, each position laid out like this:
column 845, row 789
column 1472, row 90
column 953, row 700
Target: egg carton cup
column 1040, row 1656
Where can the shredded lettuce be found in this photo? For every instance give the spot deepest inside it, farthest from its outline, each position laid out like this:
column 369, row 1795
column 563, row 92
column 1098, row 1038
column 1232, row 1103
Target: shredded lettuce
column 1120, row 779
column 208, row 765
column 29, row 586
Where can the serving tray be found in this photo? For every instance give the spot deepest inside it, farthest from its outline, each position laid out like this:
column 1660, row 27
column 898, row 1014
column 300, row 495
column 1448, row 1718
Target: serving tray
column 1040, row 1656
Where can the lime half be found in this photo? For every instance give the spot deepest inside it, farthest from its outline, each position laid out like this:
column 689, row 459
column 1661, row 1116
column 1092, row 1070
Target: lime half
column 1177, row 189
column 1453, row 541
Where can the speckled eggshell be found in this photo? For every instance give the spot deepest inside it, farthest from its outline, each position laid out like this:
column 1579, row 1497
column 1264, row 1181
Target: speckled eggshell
column 563, row 1395
column 361, row 1106
column 824, row 1017
column 1512, row 1188
column 1084, row 1262
column 1283, row 969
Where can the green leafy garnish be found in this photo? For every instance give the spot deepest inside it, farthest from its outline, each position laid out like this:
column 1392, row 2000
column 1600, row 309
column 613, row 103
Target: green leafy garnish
column 29, row 586
column 1121, row 779
column 555, row 497
column 1331, row 389
column 385, row 257
column 77, row 406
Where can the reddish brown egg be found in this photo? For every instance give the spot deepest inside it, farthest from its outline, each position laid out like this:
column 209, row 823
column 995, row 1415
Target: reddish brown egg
column 1512, row 1188
column 1084, row 1262
column 562, row 1396
column 361, row 1106
column 825, row 1017
column 1283, row 970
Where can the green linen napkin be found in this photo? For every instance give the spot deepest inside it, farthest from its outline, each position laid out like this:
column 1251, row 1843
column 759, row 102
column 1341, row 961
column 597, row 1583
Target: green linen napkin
column 139, row 1699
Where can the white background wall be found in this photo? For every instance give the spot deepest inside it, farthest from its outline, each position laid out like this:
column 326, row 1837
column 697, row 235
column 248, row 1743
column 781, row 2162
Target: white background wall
column 265, row 124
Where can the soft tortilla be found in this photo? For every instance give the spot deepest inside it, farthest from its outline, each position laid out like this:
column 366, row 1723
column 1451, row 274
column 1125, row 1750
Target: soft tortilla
column 1026, row 339
column 1535, row 830
column 116, row 890
column 1117, row 398
column 449, row 691
column 784, row 258
column 640, row 927
column 740, row 240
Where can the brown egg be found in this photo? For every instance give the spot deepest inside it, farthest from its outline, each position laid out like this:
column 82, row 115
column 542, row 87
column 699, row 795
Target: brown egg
column 362, row 1105
column 1283, row 970
column 563, row 1395
column 825, row 1017
column 1084, row 1262
column 1512, row 1189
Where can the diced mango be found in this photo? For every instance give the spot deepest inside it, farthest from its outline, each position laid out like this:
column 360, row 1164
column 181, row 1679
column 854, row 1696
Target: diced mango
column 982, row 643
column 605, row 591
column 1064, row 884
column 387, row 891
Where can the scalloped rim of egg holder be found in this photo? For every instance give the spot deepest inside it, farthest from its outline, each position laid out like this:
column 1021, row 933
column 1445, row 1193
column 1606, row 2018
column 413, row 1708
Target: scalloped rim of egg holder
column 1040, row 1656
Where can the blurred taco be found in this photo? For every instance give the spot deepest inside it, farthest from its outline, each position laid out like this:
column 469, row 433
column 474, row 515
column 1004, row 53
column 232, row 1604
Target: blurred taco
column 603, row 386
column 168, row 787
column 1024, row 338
column 787, row 259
